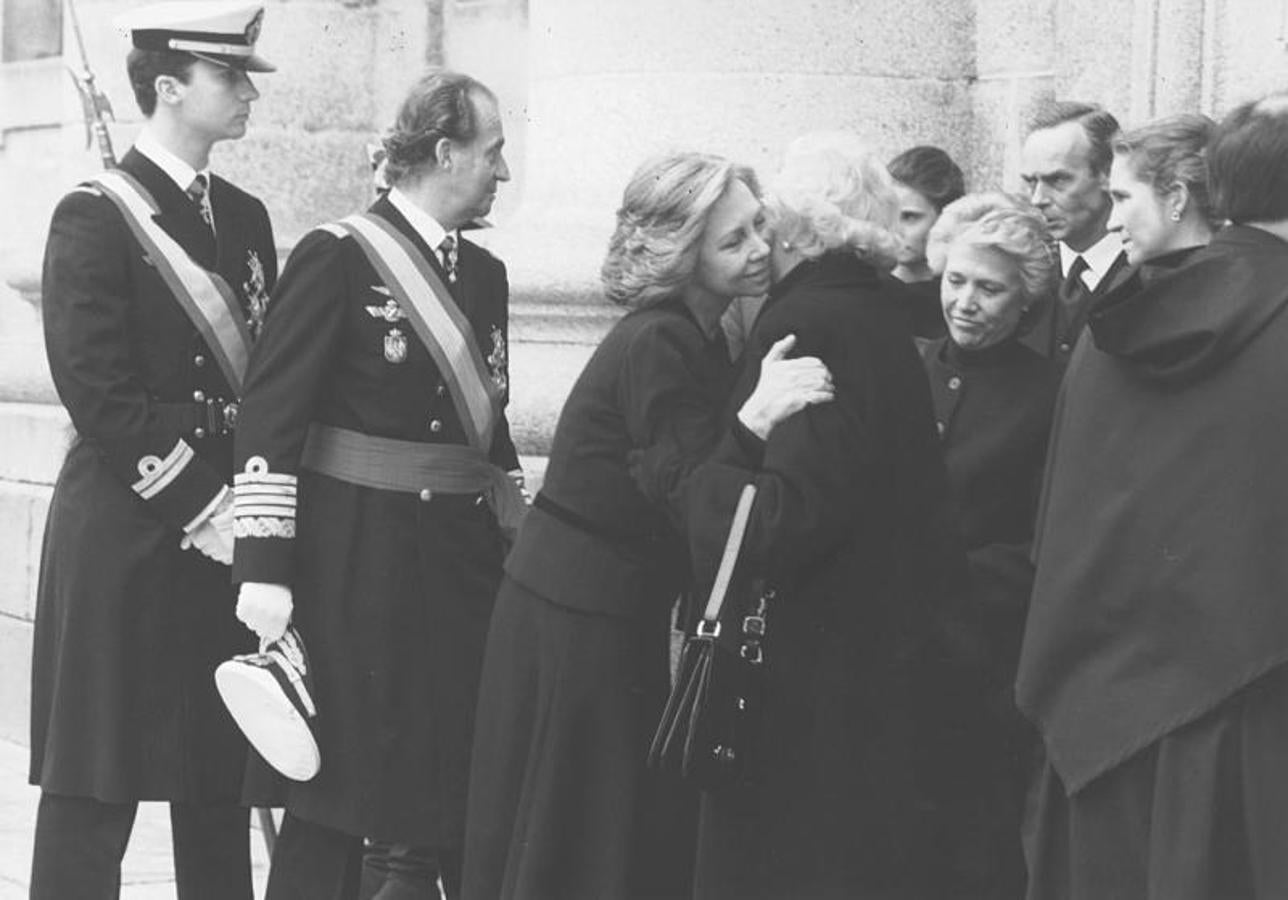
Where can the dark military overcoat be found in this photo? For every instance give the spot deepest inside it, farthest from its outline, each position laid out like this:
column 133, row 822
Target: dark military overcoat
column 129, row 627
column 392, row 590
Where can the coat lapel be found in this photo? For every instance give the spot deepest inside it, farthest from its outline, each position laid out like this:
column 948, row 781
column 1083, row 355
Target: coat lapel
column 390, row 213
column 179, row 216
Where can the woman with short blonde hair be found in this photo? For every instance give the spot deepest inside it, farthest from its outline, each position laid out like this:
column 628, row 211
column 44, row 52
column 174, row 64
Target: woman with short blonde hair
column 994, row 398
column 845, row 530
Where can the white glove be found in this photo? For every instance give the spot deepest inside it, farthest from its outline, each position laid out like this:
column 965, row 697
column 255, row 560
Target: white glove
column 516, row 475
column 265, row 609
column 786, row 386
column 214, row 536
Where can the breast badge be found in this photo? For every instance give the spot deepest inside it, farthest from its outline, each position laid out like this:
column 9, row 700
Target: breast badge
column 256, row 292
column 497, row 361
column 395, row 346
column 391, row 312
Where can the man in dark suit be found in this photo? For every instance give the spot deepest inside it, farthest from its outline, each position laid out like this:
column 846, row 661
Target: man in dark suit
column 155, row 275
column 1065, row 167
column 377, row 395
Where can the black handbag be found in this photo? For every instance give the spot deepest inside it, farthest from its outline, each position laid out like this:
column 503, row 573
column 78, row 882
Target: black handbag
column 710, row 718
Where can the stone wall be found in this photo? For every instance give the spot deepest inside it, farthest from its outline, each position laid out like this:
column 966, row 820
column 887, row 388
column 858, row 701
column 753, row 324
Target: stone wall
column 587, row 88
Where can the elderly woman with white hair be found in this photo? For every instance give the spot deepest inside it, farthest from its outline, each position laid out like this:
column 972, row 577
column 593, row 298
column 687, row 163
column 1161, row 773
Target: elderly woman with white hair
column 576, row 669
column 849, row 530
column 994, row 399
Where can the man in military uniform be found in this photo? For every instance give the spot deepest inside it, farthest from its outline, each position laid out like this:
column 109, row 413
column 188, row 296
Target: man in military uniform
column 376, row 397
column 155, row 276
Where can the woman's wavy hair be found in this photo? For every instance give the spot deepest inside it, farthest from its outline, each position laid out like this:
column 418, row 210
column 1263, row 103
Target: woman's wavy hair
column 664, row 212
column 833, row 194
column 439, row 105
column 1005, row 223
column 1173, row 151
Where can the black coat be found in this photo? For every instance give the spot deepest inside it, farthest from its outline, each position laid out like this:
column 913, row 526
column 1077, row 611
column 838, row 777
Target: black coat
column 993, row 409
column 1056, row 330
column 392, row 594
column 1160, row 579
column 577, row 659
column 850, row 527
column 129, row 627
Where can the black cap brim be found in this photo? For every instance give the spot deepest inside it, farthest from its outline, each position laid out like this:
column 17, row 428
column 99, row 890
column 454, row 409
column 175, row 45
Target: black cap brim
column 252, row 63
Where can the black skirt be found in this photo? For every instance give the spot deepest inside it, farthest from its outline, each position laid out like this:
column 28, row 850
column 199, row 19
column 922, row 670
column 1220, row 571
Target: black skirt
column 1201, row 814
column 561, row 804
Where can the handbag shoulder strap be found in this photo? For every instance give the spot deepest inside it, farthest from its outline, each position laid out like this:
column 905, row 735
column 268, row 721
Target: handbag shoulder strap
column 729, row 559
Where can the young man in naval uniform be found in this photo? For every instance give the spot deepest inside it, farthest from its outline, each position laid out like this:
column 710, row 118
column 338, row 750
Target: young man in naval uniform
column 376, row 396
column 156, row 276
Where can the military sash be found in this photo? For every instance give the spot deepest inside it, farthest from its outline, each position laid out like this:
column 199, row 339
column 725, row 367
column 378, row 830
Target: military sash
column 436, row 318
column 206, row 298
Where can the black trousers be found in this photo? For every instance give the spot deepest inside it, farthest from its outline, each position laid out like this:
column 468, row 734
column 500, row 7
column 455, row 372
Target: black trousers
column 406, row 872
column 80, row 842
column 314, row 862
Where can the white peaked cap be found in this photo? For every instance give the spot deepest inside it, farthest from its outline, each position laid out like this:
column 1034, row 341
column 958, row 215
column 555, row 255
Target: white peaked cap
column 218, row 31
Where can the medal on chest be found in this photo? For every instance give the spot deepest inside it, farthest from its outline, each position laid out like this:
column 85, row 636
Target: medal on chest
column 395, row 346
column 256, row 292
column 497, row 360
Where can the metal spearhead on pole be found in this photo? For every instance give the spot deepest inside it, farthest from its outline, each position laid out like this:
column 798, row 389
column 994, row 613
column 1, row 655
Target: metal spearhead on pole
column 97, row 109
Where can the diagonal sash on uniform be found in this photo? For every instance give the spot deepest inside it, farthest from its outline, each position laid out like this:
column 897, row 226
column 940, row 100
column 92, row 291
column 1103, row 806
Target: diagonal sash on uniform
column 437, row 320
column 207, row 299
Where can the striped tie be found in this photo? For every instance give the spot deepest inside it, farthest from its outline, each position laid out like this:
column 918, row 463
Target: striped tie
column 198, row 191
column 450, row 252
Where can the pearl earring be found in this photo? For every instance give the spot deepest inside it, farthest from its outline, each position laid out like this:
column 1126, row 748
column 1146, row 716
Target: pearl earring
column 1176, row 215
column 786, row 245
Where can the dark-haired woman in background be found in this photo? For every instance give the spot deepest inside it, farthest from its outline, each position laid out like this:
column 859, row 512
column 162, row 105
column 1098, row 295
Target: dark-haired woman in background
column 993, row 399
column 576, row 672
column 1154, row 658
column 925, row 181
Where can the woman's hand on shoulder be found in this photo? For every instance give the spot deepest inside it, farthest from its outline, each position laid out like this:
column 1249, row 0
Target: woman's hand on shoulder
column 785, row 387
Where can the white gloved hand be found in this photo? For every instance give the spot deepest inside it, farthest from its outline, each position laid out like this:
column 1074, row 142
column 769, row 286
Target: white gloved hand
column 516, row 475
column 265, row 609
column 214, row 536
column 786, row 386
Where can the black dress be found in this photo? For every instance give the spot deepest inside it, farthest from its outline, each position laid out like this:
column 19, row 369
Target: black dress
column 577, row 665
column 850, row 526
column 993, row 410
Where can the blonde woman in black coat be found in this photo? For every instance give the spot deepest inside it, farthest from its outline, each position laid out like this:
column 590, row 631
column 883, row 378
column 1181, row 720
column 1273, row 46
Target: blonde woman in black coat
column 848, row 528
column 994, row 398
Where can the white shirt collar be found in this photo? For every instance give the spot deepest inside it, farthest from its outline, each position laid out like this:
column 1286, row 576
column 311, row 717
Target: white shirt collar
column 424, row 224
column 1100, row 257
column 179, row 171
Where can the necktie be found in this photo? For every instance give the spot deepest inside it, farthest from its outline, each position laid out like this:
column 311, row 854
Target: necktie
column 1073, row 289
column 1071, row 308
column 198, row 192
column 449, row 251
